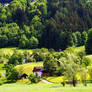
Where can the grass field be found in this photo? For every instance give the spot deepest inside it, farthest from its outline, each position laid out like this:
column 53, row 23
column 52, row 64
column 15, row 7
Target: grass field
column 28, row 68
column 54, row 79
column 78, row 49
column 40, row 87
column 10, row 50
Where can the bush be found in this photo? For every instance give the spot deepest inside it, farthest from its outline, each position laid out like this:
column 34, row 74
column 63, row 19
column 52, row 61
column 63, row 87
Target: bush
column 81, row 54
column 16, row 58
column 34, row 78
column 40, row 54
column 30, row 60
column 39, row 57
column 86, row 61
column 12, row 74
column 60, row 70
column 49, row 63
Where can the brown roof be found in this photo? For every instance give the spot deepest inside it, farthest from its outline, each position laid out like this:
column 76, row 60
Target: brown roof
column 38, row 69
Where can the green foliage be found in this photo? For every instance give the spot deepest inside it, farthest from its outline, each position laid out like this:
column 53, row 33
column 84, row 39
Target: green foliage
column 23, row 43
column 3, row 40
column 60, row 70
column 33, row 43
column 86, row 61
column 55, row 24
column 30, row 60
column 74, row 39
column 84, row 37
column 70, row 72
column 34, row 78
column 88, row 45
column 78, row 35
column 83, row 75
column 90, row 72
column 16, row 58
column 12, row 74
column 49, row 63
column 9, row 35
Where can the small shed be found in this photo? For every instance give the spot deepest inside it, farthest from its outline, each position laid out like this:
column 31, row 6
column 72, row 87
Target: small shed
column 23, row 75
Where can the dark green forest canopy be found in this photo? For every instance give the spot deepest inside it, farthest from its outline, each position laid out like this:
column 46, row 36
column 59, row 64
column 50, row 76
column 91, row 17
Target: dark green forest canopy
column 55, row 23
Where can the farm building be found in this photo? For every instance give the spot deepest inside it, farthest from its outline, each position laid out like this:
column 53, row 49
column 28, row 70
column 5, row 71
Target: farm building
column 40, row 71
column 24, row 76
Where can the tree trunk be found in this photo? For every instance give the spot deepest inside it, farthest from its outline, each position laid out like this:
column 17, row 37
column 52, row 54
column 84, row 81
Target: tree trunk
column 74, row 81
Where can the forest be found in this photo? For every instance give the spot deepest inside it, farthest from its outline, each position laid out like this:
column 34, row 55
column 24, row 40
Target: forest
column 46, row 45
column 56, row 24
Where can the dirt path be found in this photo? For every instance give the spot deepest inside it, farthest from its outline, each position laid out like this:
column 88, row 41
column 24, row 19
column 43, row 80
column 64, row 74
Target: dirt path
column 45, row 81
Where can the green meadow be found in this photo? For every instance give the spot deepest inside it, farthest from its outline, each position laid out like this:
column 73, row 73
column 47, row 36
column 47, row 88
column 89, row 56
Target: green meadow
column 40, row 87
column 25, row 86
column 28, row 68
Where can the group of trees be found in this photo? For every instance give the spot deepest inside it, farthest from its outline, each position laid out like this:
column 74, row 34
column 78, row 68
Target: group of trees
column 70, row 65
column 45, row 23
column 89, row 42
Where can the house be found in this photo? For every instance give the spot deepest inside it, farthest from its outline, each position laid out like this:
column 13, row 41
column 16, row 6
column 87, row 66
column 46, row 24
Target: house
column 38, row 70
column 42, row 72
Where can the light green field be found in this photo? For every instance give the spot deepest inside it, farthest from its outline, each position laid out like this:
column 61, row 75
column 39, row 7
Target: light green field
column 78, row 49
column 54, row 79
column 9, row 51
column 43, row 88
column 28, row 68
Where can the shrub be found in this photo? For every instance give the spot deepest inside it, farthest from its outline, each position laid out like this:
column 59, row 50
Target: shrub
column 16, row 58
column 90, row 72
column 34, row 78
column 12, row 74
column 30, row 60
column 60, row 70
column 86, row 61
column 81, row 54
column 39, row 57
column 50, row 62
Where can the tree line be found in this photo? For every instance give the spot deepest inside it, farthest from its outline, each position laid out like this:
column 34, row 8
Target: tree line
column 54, row 24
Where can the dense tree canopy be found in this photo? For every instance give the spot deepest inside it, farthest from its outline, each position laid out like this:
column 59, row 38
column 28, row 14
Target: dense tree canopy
column 56, row 24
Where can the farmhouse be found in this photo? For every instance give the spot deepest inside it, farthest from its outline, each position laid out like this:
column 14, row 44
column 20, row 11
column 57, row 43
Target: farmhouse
column 40, row 71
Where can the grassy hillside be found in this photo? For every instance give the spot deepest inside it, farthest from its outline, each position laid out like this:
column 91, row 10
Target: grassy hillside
column 54, row 79
column 78, row 49
column 28, row 68
column 9, row 51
